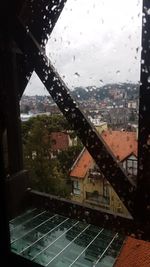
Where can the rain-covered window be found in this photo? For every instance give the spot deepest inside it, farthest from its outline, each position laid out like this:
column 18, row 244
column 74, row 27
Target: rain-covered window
column 96, row 50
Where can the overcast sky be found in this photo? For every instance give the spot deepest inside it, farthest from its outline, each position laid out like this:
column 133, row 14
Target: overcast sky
column 95, row 42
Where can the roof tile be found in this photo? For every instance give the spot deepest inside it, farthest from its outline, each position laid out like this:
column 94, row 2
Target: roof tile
column 122, row 144
column 134, row 253
column 82, row 164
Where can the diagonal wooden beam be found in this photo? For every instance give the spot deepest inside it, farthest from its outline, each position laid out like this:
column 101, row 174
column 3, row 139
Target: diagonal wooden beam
column 95, row 144
column 142, row 203
column 39, row 17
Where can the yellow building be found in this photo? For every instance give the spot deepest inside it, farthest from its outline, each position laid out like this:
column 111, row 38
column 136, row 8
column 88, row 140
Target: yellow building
column 90, row 186
column 101, row 127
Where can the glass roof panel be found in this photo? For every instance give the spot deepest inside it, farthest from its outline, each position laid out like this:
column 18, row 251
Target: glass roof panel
column 54, row 240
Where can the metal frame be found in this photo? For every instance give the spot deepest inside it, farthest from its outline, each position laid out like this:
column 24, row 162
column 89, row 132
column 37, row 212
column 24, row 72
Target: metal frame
column 32, row 56
column 92, row 215
column 68, row 244
column 22, row 251
column 28, row 232
column 142, row 201
column 49, row 245
column 86, row 247
column 42, row 20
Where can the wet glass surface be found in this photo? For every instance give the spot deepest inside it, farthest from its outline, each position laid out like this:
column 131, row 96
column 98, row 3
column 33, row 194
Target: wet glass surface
column 54, row 240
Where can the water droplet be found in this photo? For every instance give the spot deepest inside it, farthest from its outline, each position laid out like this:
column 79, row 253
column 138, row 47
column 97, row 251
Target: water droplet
column 144, row 108
column 53, row 7
column 118, row 72
column 27, row 29
column 148, row 11
column 148, row 79
column 77, row 74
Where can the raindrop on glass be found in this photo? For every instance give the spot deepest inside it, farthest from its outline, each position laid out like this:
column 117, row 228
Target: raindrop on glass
column 148, row 79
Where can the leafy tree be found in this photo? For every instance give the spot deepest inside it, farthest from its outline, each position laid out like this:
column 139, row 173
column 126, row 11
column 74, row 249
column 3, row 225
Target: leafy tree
column 37, row 155
column 132, row 117
column 47, row 174
column 68, row 157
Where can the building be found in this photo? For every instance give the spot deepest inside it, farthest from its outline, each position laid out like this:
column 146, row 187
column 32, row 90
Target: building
column 132, row 104
column 89, row 184
column 61, row 141
column 100, row 127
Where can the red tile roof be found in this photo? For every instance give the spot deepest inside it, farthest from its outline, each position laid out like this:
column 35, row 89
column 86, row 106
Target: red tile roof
column 82, row 165
column 135, row 253
column 122, row 144
column 60, row 141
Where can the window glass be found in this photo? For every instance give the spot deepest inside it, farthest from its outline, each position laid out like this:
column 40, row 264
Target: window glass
column 93, row 43
column 76, row 187
column 98, row 57
column 96, row 50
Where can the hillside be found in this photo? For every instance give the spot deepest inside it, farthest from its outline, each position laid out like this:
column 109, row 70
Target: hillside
column 99, row 93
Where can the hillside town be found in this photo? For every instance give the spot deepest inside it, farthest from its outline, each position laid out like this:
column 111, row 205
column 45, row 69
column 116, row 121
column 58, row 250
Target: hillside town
column 115, row 104
column 113, row 110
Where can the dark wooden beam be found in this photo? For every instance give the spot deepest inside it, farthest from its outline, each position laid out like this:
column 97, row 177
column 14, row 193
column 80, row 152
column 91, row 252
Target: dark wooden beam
column 4, row 219
column 9, row 87
column 7, row 11
column 98, row 149
column 4, row 226
column 142, row 204
column 40, row 17
column 12, row 109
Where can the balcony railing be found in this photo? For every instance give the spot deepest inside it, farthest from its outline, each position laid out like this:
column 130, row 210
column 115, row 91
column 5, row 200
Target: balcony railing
column 95, row 174
column 97, row 199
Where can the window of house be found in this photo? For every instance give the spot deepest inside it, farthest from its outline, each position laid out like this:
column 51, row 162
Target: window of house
column 76, row 187
column 106, row 189
column 131, row 166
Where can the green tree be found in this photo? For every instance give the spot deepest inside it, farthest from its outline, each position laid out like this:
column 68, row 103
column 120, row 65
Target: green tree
column 68, row 157
column 37, row 155
column 47, row 174
column 132, row 116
